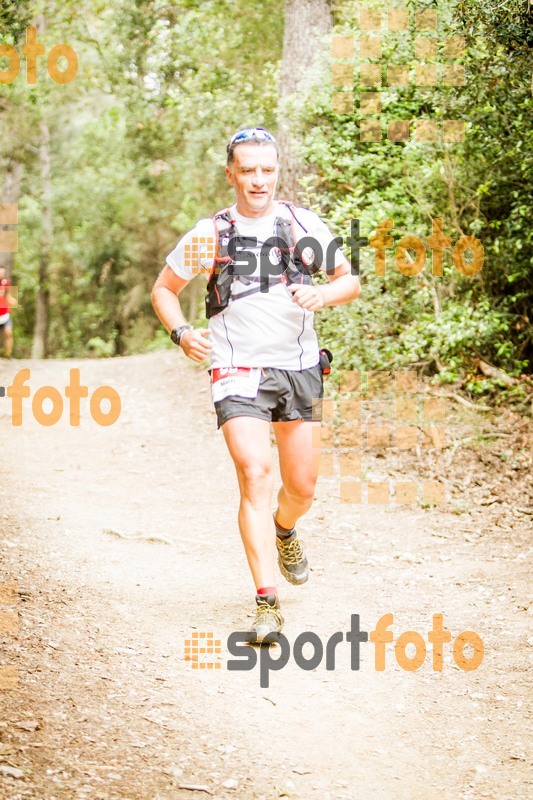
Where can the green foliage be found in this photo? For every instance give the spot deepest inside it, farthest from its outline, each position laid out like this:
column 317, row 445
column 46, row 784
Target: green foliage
column 15, row 16
column 481, row 188
column 137, row 146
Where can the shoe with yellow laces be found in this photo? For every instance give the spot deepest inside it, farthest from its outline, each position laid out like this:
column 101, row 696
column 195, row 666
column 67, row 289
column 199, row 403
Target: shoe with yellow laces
column 268, row 620
column 292, row 560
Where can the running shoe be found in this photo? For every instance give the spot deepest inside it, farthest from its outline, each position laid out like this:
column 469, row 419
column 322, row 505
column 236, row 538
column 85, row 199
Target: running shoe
column 292, row 561
column 268, row 620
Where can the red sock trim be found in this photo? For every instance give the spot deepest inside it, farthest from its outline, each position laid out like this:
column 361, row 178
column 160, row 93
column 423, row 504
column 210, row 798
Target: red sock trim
column 268, row 590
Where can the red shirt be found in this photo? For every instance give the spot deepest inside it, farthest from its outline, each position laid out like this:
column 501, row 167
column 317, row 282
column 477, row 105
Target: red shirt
column 4, row 305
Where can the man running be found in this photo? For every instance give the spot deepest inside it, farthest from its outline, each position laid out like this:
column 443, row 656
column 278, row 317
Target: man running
column 6, row 304
column 263, row 349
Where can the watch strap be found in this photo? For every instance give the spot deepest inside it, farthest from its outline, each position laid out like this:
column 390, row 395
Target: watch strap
column 177, row 333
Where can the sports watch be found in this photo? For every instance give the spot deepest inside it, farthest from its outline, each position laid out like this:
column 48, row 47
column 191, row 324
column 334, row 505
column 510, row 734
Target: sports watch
column 177, row 333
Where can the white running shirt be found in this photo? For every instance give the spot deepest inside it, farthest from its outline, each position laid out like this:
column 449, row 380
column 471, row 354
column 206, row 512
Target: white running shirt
column 264, row 329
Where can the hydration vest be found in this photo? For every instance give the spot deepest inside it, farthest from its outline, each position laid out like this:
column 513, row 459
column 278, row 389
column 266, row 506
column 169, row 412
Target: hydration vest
column 226, row 268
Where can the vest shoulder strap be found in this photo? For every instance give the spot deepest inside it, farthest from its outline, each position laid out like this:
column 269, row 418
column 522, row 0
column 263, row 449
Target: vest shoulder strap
column 222, row 223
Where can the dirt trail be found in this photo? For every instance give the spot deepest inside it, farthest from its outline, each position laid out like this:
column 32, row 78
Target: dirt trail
column 107, row 706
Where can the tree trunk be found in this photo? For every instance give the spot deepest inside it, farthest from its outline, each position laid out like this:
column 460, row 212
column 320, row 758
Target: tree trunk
column 11, row 194
column 40, row 331
column 306, row 23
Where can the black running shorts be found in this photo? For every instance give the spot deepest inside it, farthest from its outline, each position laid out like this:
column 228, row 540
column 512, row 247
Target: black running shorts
column 283, row 395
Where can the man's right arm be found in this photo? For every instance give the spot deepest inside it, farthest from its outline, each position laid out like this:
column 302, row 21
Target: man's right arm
column 165, row 301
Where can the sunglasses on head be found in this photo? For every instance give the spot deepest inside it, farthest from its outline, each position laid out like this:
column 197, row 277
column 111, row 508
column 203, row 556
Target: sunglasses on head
column 251, row 133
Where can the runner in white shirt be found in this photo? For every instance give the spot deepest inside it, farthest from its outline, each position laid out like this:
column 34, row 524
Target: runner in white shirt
column 263, row 351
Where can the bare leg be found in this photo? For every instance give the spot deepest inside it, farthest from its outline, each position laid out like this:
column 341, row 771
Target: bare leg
column 8, row 340
column 248, row 441
column 299, row 470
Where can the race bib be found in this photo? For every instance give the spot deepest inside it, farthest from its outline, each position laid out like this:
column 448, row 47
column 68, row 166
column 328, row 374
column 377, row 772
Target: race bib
column 242, row 381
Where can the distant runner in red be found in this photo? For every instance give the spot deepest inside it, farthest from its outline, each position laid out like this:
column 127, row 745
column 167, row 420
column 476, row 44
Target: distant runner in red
column 263, row 350
column 6, row 304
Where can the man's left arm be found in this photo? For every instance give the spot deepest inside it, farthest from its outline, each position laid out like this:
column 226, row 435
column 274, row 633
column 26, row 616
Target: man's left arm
column 343, row 287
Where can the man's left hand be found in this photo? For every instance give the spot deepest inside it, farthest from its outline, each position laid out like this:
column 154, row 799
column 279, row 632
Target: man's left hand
column 309, row 297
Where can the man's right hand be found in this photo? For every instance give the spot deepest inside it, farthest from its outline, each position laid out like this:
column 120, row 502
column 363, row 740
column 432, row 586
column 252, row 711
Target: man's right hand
column 195, row 344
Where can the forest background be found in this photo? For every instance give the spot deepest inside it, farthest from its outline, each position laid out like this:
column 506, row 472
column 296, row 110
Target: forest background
column 110, row 169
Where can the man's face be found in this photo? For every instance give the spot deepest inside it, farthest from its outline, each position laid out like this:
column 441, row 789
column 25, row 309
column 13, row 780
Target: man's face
column 253, row 174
